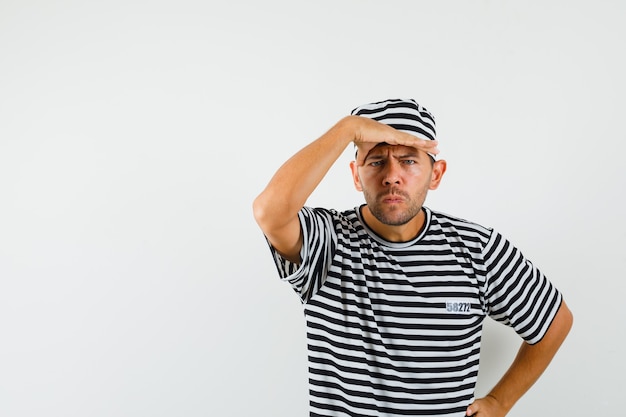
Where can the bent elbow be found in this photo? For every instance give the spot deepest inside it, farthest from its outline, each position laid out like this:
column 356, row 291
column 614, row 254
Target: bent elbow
column 568, row 316
column 276, row 216
column 259, row 210
column 562, row 323
column 268, row 214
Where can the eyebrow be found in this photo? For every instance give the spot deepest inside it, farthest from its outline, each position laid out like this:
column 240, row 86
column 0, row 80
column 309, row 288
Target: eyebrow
column 412, row 154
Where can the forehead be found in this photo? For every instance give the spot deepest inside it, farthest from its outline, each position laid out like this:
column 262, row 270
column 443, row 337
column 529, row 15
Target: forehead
column 385, row 150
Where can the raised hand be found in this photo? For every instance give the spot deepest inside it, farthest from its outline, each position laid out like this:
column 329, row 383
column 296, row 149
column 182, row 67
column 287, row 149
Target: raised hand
column 368, row 133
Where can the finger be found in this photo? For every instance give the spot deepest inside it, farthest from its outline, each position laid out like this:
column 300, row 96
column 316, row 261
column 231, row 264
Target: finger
column 427, row 145
column 431, row 146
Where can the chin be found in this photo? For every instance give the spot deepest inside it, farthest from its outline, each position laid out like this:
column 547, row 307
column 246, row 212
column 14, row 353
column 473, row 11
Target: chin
column 400, row 220
column 396, row 216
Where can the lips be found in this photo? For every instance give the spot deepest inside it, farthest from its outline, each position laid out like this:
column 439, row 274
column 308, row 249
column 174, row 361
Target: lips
column 392, row 198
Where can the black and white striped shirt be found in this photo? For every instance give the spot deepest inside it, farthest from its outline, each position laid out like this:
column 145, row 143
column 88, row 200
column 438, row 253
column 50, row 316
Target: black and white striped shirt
column 394, row 329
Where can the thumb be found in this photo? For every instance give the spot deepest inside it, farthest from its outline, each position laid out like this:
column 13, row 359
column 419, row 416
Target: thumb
column 472, row 409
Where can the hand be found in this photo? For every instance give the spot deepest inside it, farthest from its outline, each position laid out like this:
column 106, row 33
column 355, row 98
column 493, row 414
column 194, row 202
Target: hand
column 486, row 407
column 368, row 133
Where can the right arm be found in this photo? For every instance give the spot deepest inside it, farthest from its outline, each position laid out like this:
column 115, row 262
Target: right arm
column 276, row 208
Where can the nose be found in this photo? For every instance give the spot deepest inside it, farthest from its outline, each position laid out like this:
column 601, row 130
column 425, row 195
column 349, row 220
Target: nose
column 392, row 173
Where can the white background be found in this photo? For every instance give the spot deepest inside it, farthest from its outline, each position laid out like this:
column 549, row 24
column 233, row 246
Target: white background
column 135, row 134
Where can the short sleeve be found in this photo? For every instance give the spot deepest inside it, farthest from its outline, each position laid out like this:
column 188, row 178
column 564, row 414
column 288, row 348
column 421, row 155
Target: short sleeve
column 319, row 243
column 517, row 293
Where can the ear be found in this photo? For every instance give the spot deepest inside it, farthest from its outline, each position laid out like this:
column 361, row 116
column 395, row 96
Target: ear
column 439, row 168
column 355, row 176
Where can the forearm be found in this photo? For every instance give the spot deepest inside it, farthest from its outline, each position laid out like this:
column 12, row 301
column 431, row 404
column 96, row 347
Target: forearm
column 297, row 178
column 525, row 370
column 531, row 361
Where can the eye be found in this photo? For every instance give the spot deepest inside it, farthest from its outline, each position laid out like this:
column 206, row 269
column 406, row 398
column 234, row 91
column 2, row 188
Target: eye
column 409, row 161
column 376, row 163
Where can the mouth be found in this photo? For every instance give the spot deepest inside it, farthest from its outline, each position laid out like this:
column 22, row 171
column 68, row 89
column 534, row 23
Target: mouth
column 392, row 199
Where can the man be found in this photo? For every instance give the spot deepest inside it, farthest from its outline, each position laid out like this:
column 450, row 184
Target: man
column 395, row 293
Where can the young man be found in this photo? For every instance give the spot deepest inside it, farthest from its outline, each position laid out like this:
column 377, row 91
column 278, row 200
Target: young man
column 395, row 293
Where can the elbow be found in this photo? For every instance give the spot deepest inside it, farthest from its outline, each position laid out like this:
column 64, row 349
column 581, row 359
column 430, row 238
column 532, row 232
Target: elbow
column 273, row 213
column 568, row 318
column 259, row 210
column 266, row 212
column 562, row 323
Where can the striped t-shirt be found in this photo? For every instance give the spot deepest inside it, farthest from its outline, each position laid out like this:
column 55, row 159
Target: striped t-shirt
column 394, row 329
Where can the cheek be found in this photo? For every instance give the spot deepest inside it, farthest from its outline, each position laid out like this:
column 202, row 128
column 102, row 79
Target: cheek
column 415, row 170
column 365, row 180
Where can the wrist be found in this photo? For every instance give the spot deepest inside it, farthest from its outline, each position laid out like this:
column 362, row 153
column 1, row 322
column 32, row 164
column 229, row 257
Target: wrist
column 347, row 130
column 499, row 402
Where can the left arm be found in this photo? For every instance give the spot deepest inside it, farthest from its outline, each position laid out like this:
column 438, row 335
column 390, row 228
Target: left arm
column 529, row 364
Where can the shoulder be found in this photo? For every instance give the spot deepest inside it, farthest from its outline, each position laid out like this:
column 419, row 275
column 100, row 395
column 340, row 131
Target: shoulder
column 316, row 217
column 330, row 213
column 451, row 225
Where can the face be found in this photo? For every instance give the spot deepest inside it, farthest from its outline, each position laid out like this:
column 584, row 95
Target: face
column 395, row 180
